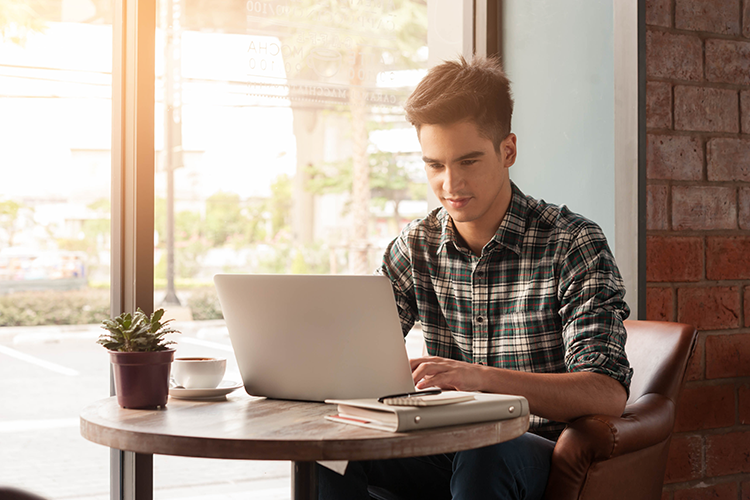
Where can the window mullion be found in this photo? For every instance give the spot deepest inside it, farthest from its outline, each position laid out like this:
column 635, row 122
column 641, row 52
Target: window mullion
column 132, row 268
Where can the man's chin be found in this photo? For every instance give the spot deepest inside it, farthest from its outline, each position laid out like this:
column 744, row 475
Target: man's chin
column 458, row 216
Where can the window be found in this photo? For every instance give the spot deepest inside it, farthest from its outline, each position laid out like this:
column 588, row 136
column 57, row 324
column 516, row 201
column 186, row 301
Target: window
column 55, row 135
column 279, row 125
column 280, row 147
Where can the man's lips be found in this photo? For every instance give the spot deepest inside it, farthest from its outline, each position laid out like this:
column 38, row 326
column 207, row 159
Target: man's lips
column 457, row 202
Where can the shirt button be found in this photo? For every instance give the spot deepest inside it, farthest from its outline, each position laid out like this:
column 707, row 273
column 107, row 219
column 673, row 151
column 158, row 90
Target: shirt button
column 480, row 319
column 480, row 274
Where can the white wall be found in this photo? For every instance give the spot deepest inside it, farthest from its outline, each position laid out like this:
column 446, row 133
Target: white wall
column 560, row 59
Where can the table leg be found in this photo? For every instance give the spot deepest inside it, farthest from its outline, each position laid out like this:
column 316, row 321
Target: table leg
column 304, row 481
column 131, row 475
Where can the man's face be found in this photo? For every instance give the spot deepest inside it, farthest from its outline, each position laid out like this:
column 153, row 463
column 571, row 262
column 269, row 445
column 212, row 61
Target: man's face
column 467, row 175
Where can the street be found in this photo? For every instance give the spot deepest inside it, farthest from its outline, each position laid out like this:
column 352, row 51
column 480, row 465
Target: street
column 48, row 374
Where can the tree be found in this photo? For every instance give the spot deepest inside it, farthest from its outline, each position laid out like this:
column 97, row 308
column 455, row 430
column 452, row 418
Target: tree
column 356, row 58
column 226, row 221
column 17, row 20
column 230, row 220
column 10, row 217
column 392, row 177
column 280, row 204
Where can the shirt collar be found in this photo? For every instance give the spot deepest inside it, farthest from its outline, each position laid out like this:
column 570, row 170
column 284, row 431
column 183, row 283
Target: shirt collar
column 509, row 234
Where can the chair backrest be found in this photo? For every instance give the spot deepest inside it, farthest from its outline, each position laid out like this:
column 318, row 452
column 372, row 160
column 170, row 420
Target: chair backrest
column 658, row 353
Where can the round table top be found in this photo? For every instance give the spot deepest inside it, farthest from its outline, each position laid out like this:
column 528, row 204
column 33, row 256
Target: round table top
column 245, row 427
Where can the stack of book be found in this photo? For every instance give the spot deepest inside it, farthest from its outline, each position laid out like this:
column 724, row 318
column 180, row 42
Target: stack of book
column 424, row 412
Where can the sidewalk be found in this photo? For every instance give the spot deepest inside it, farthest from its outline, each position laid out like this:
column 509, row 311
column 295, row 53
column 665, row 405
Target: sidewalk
column 49, row 373
column 40, row 444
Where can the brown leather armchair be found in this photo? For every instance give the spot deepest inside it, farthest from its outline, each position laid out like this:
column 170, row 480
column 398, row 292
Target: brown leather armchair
column 599, row 457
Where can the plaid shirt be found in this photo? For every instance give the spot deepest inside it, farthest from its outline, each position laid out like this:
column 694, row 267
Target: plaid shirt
column 544, row 296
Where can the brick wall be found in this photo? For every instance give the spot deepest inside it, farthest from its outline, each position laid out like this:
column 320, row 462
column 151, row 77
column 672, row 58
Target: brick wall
column 698, row 231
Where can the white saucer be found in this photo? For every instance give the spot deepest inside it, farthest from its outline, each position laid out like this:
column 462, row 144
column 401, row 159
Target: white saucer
column 224, row 388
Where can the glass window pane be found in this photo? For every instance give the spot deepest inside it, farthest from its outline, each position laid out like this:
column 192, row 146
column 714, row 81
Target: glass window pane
column 281, row 147
column 55, row 116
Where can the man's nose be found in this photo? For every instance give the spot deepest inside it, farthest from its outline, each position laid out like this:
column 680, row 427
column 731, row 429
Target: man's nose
column 452, row 181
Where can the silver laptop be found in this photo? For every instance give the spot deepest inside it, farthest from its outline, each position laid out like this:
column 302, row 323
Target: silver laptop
column 313, row 338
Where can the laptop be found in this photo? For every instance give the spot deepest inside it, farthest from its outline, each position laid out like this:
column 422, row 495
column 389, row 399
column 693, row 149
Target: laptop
column 313, row 338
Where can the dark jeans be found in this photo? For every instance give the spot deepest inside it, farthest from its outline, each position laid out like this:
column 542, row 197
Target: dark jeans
column 516, row 469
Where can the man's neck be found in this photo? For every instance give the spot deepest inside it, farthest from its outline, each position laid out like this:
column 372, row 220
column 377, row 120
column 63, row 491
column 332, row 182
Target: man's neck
column 477, row 233
column 474, row 237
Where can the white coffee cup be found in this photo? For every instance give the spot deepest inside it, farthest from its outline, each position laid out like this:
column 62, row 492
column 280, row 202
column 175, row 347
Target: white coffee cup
column 198, row 373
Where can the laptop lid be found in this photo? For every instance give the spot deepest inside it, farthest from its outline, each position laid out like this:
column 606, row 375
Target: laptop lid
column 313, row 338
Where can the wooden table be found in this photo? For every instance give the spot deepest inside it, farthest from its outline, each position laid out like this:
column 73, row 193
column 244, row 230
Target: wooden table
column 248, row 428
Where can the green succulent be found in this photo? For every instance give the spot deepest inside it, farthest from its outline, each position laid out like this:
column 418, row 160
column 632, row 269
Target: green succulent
column 136, row 332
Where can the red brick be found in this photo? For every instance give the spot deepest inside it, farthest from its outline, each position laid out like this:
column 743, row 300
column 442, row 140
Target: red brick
column 695, row 365
column 674, row 258
column 744, row 405
column 684, row 462
column 658, row 13
column 706, row 109
column 704, row 207
column 674, row 56
column 746, row 19
column 746, row 485
column 747, row 306
column 727, row 453
column 674, row 157
column 728, row 160
column 724, row 491
column 728, row 257
column 709, row 308
column 666, row 495
column 744, row 109
column 657, row 213
column 728, row 61
column 705, row 407
column 744, row 202
column 658, row 105
column 728, row 356
column 708, row 15
column 659, row 303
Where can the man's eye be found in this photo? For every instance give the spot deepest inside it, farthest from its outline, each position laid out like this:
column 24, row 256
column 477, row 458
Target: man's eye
column 434, row 166
column 468, row 162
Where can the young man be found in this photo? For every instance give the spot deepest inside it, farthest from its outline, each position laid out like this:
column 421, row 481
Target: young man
column 514, row 295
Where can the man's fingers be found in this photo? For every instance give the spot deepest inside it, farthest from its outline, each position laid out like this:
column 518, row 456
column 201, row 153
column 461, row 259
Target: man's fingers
column 415, row 362
column 428, row 367
column 441, row 380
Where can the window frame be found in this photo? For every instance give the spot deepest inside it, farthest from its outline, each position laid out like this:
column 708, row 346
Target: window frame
column 132, row 261
column 132, row 271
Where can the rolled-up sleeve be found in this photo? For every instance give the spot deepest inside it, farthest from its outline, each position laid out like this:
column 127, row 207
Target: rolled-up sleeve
column 593, row 308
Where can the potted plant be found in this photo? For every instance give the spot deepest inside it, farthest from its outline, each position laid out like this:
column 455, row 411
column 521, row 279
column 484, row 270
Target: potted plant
column 140, row 357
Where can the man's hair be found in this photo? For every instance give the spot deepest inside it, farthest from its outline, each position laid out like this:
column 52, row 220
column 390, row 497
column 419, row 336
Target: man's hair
column 454, row 91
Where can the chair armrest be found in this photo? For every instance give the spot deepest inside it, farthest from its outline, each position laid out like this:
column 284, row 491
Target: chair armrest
column 597, row 438
column 593, row 438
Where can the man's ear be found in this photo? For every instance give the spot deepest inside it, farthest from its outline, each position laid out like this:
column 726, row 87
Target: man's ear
column 509, row 150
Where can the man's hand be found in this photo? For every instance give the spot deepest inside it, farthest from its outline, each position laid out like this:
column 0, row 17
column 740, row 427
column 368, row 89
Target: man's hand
column 433, row 371
column 557, row 396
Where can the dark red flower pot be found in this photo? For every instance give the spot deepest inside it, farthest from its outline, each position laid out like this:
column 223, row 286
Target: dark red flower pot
column 142, row 378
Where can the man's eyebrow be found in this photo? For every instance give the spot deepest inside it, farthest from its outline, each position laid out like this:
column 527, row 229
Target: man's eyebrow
column 467, row 156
